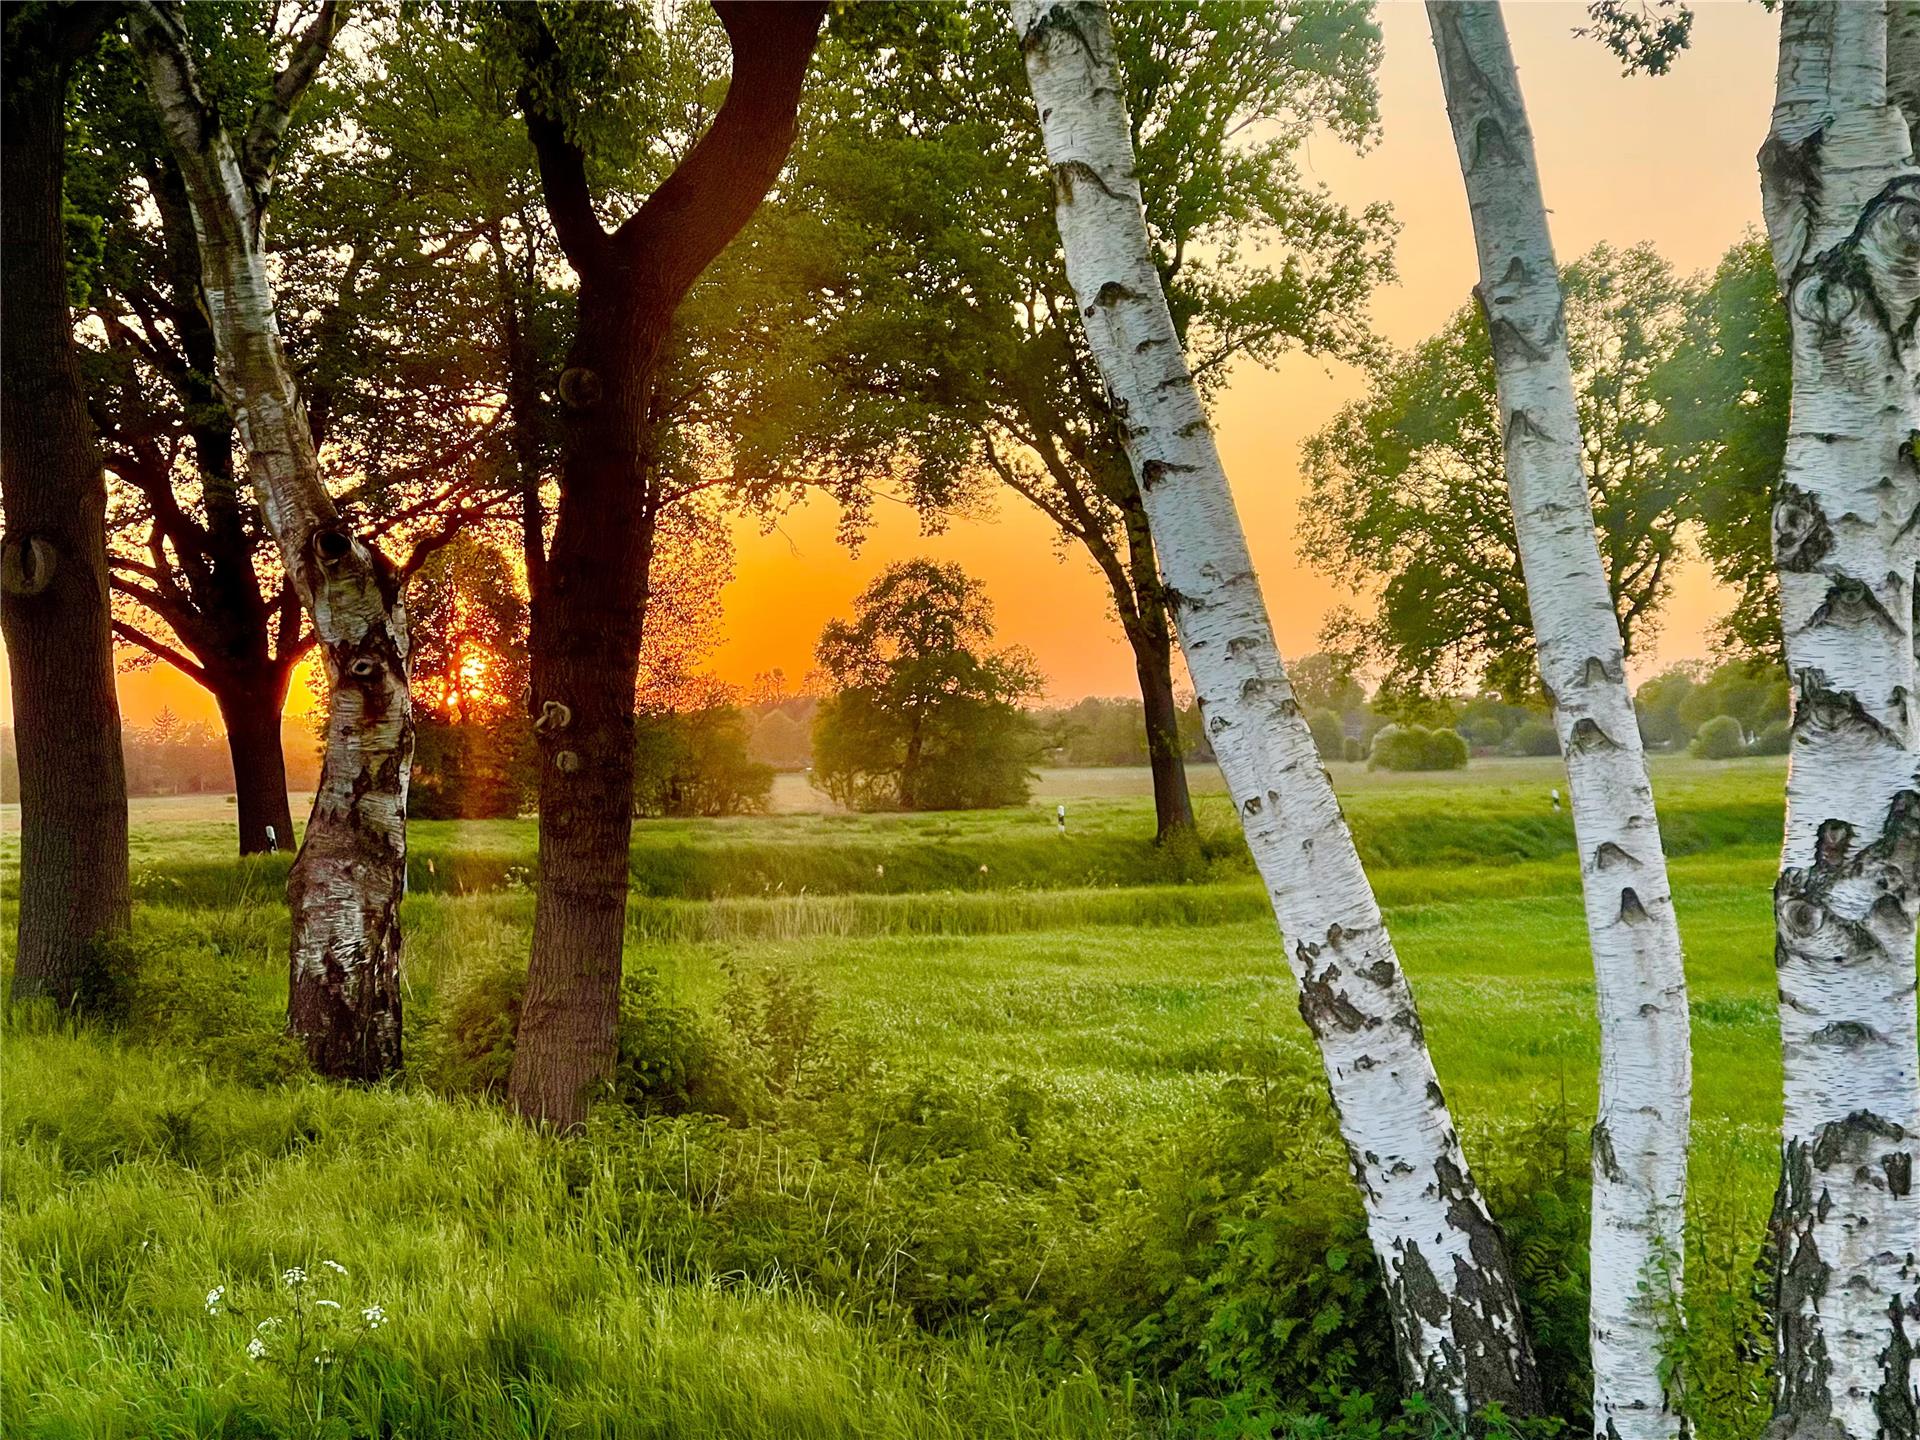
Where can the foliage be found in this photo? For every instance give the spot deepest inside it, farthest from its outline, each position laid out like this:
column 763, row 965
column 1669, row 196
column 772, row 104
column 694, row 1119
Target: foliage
column 924, row 714
column 1533, row 737
column 1409, row 484
column 1329, row 734
column 1723, row 396
column 941, row 346
column 1415, row 747
column 697, row 764
column 1775, row 738
column 1674, row 705
column 1720, row 738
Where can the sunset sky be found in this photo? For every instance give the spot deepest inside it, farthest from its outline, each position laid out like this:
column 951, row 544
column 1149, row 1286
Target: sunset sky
column 1667, row 160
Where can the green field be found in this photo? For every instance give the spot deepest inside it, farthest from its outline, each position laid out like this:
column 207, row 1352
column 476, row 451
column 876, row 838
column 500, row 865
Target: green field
column 936, row 1125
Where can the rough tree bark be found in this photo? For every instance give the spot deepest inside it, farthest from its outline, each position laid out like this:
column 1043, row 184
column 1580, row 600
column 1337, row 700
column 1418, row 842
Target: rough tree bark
column 346, row 885
column 588, row 608
column 1640, row 1136
column 1460, row 1335
column 1842, row 202
column 53, row 564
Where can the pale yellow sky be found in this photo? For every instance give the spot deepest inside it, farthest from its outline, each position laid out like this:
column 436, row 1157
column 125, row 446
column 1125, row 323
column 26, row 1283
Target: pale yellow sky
column 1666, row 159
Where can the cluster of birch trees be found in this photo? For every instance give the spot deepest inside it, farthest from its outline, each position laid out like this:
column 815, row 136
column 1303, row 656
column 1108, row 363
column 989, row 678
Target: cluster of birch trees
column 1842, row 201
column 1843, row 210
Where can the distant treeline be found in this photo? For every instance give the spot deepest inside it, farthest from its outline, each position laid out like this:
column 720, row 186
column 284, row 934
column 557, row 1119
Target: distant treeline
column 171, row 757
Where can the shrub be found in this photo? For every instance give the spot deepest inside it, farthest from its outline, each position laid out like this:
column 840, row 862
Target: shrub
column 1533, row 737
column 1414, row 747
column 1776, row 739
column 697, row 763
column 1353, row 749
column 1718, row 739
column 1329, row 734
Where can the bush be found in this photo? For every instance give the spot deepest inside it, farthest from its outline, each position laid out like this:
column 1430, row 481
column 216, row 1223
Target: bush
column 1534, row 737
column 1718, row 739
column 697, row 763
column 1329, row 734
column 479, row 770
column 1414, row 747
column 1353, row 749
column 1776, row 739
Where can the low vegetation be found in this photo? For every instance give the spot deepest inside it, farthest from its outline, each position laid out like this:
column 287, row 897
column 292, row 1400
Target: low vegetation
column 938, row 1125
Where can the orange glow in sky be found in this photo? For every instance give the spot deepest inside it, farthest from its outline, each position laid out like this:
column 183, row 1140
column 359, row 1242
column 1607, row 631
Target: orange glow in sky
column 1664, row 159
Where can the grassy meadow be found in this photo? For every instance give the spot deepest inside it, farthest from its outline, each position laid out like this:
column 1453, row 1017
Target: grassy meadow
column 942, row 1125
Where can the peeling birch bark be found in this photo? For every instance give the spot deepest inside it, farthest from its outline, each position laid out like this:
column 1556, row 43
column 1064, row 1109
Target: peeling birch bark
column 346, row 885
column 1842, row 201
column 1640, row 1136
column 1460, row 1336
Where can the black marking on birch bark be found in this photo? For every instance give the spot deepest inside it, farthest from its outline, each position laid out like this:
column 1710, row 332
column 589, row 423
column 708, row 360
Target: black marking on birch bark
column 1070, row 172
column 1323, row 1007
column 1217, row 724
column 1598, row 671
column 1490, row 144
column 1850, row 601
column 1251, row 806
column 1522, row 425
column 1801, row 1402
column 1898, row 1165
column 1610, row 855
column 1802, row 538
column 1435, row 1096
column 1603, row 1157
column 1844, row 1035
column 1192, row 428
column 1632, row 912
column 1383, row 973
column 1821, row 708
column 27, row 565
column 1152, row 472
column 1587, row 735
column 1251, row 688
column 1154, row 342
column 580, row 388
column 1831, row 844
column 1057, row 18
column 1510, row 344
column 1112, row 293
column 1895, row 1405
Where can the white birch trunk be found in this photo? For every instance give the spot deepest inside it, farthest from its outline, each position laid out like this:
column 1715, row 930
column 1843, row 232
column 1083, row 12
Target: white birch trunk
column 1460, row 1334
column 1842, row 201
column 346, row 885
column 1640, row 1136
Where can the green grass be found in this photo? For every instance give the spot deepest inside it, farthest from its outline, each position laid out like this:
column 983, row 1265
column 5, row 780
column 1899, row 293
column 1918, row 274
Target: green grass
column 1036, row 1150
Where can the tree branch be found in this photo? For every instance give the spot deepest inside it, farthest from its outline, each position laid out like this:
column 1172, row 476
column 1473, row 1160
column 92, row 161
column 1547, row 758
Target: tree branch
column 261, row 149
column 160, row 650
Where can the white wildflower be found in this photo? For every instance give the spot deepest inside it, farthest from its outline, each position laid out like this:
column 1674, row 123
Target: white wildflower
column 325, row 1357
column 294, row 1278
column 374, row 1316
column 330, row 1304
column 272, row 1322
column 256, row 1349
column 213, row 1299
column 336, row 1267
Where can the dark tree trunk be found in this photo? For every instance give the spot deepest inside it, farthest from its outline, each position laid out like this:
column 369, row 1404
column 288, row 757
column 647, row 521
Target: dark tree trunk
column 591, row 593
column 250, row 707
column 586, row 652
column 1151, row 637
column 53, row 565
column 1153, row 666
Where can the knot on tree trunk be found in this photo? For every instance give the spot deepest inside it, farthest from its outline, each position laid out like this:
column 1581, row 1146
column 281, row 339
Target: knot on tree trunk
column 27, row 565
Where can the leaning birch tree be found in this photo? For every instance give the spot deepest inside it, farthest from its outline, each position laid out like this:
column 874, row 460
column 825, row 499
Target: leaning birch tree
column 1842, row 200
column 1640, row 1135
column 1459, row 1332
column 346, row 885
